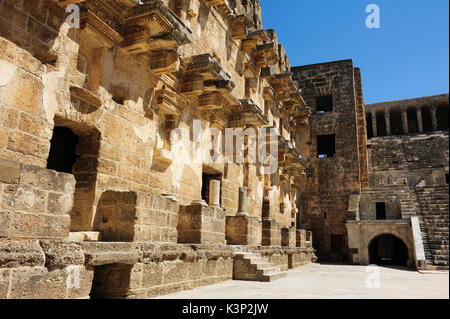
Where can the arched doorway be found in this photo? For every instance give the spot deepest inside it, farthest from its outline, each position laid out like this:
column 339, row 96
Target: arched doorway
column 388, row 250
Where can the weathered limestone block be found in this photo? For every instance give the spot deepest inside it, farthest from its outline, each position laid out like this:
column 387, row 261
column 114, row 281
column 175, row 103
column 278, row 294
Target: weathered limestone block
column 271, row 233
column 288, row 237
column 160, row 269
column 60, row 254
column 131, row 217
column 198, row 224
column 116, row 216
column 300, row 237
column 103, row 253
column 20, row 253
column 9, row 172
column 35, row 202
column 243, row 230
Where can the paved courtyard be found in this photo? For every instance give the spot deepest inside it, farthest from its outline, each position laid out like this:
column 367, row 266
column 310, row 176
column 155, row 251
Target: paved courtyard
column 321, row 281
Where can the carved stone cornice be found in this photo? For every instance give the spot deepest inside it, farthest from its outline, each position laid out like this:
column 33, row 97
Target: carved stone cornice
column 152, row 26
column 249, row 113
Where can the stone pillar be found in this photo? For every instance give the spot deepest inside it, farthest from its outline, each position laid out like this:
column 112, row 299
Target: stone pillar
column 434, row 118
column 405, row 122
column 242, row 208
column 214, row 194
column 419, row 120
column 374, row 124
column 388, row 122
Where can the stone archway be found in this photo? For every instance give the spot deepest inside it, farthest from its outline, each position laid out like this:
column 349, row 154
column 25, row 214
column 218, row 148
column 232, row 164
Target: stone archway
column 388, row 249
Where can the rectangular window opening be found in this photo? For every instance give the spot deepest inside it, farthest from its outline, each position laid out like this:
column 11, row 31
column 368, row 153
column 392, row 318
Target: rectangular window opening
column 326, row 146
column 324, row 104
column 206, row 179
column 381, row 211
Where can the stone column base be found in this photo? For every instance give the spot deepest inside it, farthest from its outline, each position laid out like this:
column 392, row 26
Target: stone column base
column 243, row 230
column 198, row 224
column 271, row 233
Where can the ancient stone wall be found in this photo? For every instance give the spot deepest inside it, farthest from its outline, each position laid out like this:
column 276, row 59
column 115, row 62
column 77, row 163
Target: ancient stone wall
column 324, row 197
column 35, row 202
column 99, row 152
column 408, row 174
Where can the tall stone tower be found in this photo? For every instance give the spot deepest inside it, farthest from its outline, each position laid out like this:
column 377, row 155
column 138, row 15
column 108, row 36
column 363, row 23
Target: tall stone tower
column 335, row 146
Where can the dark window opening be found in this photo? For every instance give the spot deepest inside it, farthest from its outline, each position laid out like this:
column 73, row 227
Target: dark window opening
column 381, row 124
column 446, row 178
column 381, row 211
column 412, row 121
column 326, row 146
column 325, row 215
column 337, row 244
column 369, row 126
column 206, row 179
column 62, row 155
column 442, row 117
column 427, row 120
column 324, row 104
column 395, row 117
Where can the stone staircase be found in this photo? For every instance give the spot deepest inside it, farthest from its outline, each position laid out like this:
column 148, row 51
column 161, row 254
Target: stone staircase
column 255, row 267
column 434, row 224
column 409, row 203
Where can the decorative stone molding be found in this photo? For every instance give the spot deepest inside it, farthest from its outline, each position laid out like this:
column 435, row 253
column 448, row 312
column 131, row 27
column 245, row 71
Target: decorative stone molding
column 97, row 32
column 164, row 62
column 152, row 26
column 240, row 27
column 247, row 113
column 284, row 86
column 265, row 55
column 167, row 102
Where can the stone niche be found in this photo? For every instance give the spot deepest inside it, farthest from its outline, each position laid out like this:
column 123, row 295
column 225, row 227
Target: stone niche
column 199, row 224
column 271, row 233
column 35, row 202
column 288, row 237
column 243, row 230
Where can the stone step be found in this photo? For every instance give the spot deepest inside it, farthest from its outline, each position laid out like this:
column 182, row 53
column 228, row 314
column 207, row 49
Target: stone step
column 274, row 276
column 268, row 271
column 255, row 267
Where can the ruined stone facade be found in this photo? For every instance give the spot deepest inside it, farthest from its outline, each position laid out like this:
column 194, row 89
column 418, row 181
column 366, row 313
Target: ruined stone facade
column 115, row 181
column 103, row 192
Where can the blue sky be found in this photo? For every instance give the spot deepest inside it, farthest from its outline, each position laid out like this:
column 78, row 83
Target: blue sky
column 407, row 57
